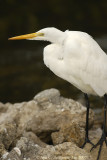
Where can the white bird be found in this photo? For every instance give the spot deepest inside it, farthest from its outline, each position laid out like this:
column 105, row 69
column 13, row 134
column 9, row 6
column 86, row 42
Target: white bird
column 77, row 58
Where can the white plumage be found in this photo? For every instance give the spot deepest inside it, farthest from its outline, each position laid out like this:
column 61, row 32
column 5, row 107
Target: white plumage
column 76, row 57
column 80, row 61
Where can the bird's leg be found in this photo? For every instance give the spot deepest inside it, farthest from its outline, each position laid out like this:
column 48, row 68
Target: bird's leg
column 87, row 122
column 103, row 136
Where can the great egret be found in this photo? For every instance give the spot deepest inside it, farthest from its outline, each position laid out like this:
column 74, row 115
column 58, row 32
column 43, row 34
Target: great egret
column 76, row 57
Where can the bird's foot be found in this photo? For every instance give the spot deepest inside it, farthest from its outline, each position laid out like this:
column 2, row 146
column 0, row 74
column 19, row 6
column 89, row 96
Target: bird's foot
column 100, row 143
column 87, row 141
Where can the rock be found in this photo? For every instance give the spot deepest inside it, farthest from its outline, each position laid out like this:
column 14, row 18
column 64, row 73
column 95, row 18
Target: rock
column 49, row 95
column 61, row 115
column 32, row 137
column 47, row 127
column 33, row 151
column 47, row 122
column 7, row 134
column 69, row 133
column 2, row 149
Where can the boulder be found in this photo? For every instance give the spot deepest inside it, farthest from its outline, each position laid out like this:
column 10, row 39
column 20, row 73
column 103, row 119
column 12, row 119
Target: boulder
column 47, row 127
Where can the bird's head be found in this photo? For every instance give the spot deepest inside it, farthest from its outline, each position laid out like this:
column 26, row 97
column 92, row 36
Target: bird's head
column 47, row 34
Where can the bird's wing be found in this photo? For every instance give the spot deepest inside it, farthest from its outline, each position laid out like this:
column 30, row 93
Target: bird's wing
column 89, row 64
column 95, row 75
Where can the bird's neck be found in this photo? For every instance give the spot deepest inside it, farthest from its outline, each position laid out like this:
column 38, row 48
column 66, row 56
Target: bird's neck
column 57, row 38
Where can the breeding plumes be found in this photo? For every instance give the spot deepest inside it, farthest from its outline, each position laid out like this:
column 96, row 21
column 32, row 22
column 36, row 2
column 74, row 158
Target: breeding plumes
column 77, row 58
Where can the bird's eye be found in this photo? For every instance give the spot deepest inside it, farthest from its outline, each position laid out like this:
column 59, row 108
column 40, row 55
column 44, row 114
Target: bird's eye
column 41, row 34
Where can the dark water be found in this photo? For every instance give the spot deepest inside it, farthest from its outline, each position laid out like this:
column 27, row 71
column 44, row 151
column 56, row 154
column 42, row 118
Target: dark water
column 23, row 73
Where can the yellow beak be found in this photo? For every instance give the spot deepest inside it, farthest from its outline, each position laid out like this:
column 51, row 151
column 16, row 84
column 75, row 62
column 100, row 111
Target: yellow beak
column 26, row 36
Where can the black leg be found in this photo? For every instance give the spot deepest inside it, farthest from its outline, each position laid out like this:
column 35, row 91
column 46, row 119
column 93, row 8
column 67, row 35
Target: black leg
column 103, row 136
column 87, row 122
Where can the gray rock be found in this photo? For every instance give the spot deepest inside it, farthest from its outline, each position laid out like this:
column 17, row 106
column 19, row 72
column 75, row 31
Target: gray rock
column 62, row 116
column 32, row 137
column 33, row 151
column 7, row 136
column 49, row 95
column 27, row 129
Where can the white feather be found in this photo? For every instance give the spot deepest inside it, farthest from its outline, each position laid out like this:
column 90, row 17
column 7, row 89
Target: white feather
column 80, row 61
